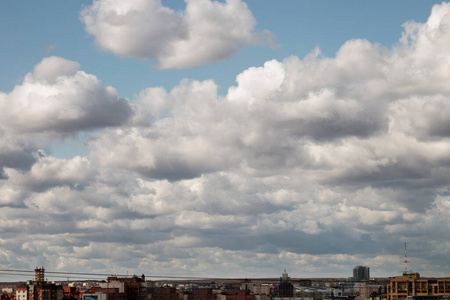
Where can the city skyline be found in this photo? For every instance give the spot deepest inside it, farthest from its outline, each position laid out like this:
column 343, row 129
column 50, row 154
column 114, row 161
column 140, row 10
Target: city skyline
column 225, row 138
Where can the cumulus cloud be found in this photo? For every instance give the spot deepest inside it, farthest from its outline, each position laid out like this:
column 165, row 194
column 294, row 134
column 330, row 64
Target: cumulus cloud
column 206, row 32
column 358, row 141
column 50, row 68
column 58, row 98
column 171, row 148
column 322, row 162
column 48, row 172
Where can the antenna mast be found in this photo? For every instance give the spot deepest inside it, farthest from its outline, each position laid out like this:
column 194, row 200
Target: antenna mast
column 406, row 262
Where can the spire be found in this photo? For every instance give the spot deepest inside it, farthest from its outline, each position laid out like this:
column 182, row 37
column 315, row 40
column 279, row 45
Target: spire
column 285, row 275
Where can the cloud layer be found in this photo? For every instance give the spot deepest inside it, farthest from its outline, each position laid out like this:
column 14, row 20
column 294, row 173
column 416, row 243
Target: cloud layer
column 206, row 32
column 322, row 163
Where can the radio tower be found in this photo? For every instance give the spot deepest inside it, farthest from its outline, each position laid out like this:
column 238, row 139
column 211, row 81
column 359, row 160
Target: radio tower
column 406, row 262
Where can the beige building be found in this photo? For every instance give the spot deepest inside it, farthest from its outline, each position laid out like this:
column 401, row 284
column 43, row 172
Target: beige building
column 410, row 286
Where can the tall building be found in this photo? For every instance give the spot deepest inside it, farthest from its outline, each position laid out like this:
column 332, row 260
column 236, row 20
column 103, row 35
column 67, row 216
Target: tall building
column 410, row 286
column 39, row 275
column 285, row 288
column 361, row 273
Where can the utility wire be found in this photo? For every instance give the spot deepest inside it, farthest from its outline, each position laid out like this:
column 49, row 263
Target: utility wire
column 12, row 271
column 53, row 276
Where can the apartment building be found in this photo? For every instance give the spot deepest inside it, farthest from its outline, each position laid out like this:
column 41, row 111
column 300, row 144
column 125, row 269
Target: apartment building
column 410, row 286
column 39, row 289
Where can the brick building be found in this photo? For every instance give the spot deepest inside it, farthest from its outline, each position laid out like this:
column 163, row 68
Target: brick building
column 39, row 289
column 117, row 288
column 410, row 286
column 71, row 293
column 165, row 293
column 200, row 294
column 240, row 295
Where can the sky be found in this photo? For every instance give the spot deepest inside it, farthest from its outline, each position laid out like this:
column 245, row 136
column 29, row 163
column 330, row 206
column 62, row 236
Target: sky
column 225, row 138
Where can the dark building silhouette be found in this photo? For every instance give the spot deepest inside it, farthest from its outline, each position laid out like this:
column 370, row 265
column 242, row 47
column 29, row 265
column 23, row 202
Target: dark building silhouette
column 285, row 288
column 361, row 273
column 165, row 293
column 240, row 295
column 200, row 294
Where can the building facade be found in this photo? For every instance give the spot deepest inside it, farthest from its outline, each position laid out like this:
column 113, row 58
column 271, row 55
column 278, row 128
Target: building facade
column 116, row 288
column 39, row 289
column 361, row 273
column 410, row 286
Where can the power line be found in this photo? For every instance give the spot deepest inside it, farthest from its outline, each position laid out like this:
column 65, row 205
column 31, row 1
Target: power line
column 13, row 271
column 24, row 271
column 55, row 272
column 57, row 276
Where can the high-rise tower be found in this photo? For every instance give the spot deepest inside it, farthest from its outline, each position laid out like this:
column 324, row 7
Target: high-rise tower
column 361, row 273
column 39, row 275
column 285, row 288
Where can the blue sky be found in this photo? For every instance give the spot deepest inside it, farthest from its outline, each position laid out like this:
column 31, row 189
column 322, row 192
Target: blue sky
column 53, row 28
column 211, row 138
column 32, row 30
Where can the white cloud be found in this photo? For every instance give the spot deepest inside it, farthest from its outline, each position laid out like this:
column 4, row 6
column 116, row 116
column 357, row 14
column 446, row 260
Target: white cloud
column 322, row 162
column 340, row 154
column 171, row 148
column 49, row 172
column 59, row 99
column 11, row 197
column 258, row 83
column 53, row 67
column 206, row 32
